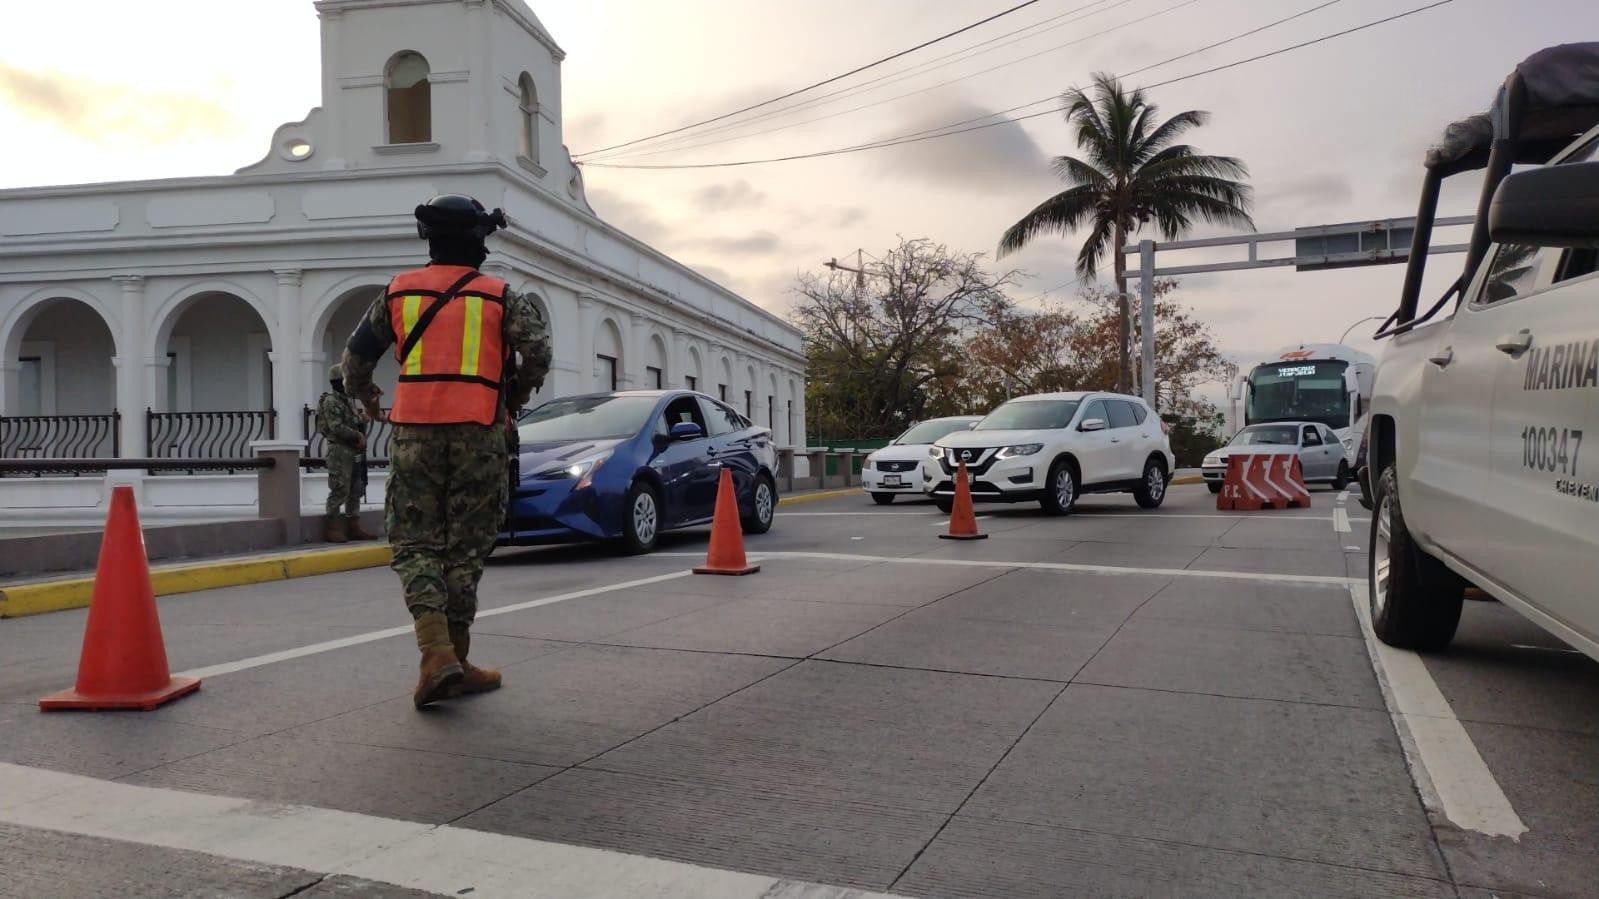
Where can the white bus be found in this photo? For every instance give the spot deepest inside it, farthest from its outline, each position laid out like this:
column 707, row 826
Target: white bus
column 1321, row 382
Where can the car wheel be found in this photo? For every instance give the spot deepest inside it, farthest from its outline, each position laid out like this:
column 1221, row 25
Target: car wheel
column 1151, row 489
column 763, row 506
column 1344, row 477
column 641, row 519
column 1060, row 490
column 1415, row 600
column 1213, row 486
column 945, row 504
column 882, row 499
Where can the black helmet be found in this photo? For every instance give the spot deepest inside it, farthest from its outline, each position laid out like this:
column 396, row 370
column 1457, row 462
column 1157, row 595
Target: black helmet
column 456, row 215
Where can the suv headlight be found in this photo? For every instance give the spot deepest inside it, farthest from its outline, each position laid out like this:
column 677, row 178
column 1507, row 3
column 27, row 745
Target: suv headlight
column 935, row 452
column 1025, row 449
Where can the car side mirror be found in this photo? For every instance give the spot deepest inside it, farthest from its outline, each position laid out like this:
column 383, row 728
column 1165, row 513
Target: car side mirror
column 1092, row 424
column 1556, row 206
column 687, row 430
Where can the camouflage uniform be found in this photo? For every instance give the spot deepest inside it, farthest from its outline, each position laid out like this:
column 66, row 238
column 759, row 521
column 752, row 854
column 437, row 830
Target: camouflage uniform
column 341, row 424
column 447, row 485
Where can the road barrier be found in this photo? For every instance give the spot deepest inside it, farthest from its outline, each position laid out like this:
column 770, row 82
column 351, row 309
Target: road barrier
column 1263, row 480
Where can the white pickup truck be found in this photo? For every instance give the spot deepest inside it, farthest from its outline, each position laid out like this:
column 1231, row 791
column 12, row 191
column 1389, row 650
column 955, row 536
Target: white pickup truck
column 1484, row 436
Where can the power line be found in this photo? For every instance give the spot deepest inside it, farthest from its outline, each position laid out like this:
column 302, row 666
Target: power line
column 962, row 30
column 921, row 68
column 1017, row 61
column 916, row 137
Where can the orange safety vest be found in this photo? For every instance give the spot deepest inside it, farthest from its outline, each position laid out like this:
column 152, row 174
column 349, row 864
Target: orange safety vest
column 453, row 373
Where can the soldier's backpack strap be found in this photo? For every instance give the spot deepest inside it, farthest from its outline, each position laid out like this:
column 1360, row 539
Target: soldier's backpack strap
column 428, row 316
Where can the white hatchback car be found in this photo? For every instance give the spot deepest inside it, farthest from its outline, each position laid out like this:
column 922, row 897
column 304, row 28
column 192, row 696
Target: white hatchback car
column 1054, row 447
column 897, row 468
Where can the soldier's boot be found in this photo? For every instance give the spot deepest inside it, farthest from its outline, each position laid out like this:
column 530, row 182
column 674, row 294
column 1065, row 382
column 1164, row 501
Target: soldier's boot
column 475, row 679
column 441, row 671
column 336, row 530
column 355, row 529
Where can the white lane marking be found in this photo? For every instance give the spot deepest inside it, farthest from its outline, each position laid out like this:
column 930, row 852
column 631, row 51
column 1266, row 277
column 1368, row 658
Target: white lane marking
column 843, row 514
column 436, row 859
column 1353, row 549
column 941, row 522
column 1546, row 648
column 357, row 639
column 1341, row 519
column 1449, row 772
column 1129, row 516
column 1313, row 579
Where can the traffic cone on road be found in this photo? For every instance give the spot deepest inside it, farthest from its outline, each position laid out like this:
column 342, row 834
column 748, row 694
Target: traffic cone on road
column 726, row 555
column 124, row 660
column 962, row 521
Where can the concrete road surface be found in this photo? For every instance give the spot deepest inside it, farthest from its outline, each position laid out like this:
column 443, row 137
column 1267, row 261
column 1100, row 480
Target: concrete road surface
column 1116, row 703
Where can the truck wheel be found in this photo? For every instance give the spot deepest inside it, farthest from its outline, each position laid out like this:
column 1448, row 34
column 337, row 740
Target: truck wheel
column 1151, row 489
column 1415, row 600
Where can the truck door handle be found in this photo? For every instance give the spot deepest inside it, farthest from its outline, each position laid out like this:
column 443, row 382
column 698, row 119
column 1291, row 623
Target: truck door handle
column 1515, row 344
column 1443, row 357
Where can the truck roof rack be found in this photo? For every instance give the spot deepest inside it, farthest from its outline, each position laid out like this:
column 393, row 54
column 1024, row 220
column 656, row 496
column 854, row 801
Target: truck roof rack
column 1550, row 99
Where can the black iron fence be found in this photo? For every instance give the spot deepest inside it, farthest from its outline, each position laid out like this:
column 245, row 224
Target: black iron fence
column 60, row 436
column 215, row 436
column 378, row 434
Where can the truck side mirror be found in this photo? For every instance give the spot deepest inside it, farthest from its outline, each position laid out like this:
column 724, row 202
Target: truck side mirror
column 1555, row 206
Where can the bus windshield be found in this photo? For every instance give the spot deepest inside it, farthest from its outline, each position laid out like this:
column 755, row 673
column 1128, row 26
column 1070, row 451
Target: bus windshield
column 1299, row 391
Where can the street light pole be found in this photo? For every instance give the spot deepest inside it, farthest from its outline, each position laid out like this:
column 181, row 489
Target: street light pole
column 1369, row 318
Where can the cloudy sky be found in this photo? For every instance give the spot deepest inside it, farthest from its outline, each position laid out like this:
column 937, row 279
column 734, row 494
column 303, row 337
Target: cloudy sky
column 1331, row 133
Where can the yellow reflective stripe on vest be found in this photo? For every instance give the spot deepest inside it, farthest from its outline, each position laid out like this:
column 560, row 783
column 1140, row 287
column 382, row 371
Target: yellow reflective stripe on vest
column 410, row 312
column 472, row 335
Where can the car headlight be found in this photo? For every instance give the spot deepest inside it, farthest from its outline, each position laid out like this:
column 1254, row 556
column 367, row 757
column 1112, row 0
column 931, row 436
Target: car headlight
column 935, row 452
column 1212, row 460
column 1025, row 449
column 866, row 464
column 583, row 470
column 1349, row 444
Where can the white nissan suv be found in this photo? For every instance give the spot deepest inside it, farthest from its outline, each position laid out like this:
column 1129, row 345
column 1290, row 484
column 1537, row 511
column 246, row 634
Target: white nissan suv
column 1054, row 447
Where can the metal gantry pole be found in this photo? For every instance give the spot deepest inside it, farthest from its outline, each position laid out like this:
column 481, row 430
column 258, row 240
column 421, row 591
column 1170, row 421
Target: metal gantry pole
column 1146, row 300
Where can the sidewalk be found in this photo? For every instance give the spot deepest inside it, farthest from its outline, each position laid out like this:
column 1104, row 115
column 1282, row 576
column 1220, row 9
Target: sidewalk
column 73, row 590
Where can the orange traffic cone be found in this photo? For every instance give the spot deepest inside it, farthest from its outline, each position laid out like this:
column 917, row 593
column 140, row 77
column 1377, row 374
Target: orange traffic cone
column 726, row 555
column 962, row 523
column 124, row 660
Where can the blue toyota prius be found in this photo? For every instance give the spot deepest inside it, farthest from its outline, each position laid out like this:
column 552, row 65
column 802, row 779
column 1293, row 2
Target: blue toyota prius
column 627, row 466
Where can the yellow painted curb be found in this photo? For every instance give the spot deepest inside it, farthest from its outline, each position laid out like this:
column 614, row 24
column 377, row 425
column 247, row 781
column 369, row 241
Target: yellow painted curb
column 1189, row 479
column 55, row 596
column 813, row 497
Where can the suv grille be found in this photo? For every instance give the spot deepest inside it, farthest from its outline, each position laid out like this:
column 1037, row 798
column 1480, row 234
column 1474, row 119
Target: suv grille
column 980, row 461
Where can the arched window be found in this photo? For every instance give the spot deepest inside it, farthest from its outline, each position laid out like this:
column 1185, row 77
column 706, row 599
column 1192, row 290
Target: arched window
column 530, row 118
column 410, row 99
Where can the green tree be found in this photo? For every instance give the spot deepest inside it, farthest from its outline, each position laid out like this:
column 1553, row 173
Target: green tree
column 1134, row 173
column 885, row 349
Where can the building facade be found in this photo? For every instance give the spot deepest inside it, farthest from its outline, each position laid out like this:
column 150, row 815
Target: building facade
column 189, row 317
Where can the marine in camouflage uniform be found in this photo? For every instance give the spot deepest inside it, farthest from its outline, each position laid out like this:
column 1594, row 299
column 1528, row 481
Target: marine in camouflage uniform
column 343, row 429
column 447, row 487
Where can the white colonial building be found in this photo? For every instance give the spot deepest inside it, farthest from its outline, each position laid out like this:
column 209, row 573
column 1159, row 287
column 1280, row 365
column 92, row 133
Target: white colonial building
column 189, row 317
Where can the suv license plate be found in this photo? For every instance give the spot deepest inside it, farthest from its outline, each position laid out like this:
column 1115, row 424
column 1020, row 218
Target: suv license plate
column 891, row 480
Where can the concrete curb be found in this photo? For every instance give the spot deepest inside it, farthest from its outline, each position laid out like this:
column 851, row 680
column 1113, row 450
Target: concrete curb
column 813, row 497
column 56, row 596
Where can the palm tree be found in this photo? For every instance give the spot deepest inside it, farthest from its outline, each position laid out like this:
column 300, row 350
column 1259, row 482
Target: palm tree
column 1135, row 173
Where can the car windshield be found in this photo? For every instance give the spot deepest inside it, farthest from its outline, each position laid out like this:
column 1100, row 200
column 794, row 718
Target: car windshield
column 586, row 418
column 1030, row 415
column 1273, row 435
column 929, row 431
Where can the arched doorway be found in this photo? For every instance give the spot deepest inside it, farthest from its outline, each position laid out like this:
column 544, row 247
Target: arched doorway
column 218, row 396
column 60, row 397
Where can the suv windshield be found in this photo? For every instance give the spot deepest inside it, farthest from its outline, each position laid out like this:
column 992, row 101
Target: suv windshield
column 1274, row 435
column 929, row 431
column 586, row 418
column 1030, row 415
